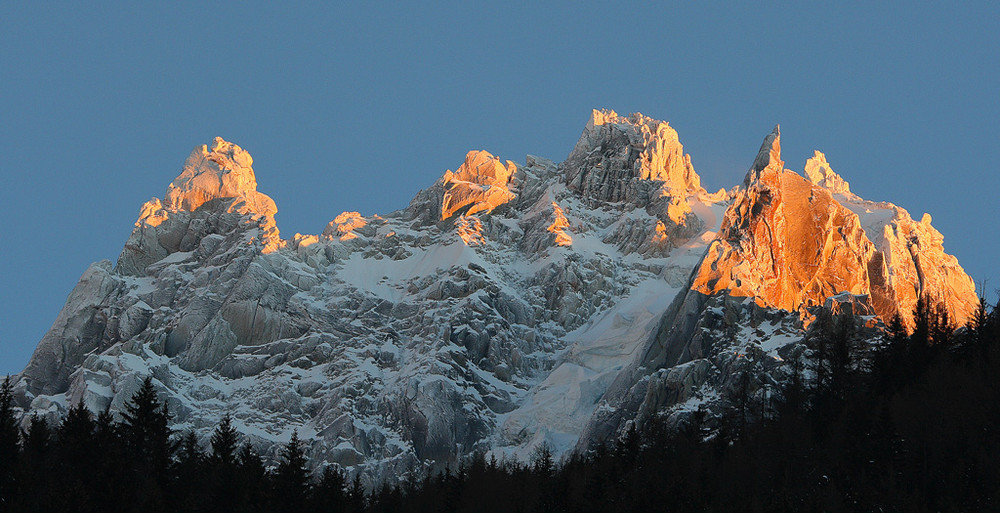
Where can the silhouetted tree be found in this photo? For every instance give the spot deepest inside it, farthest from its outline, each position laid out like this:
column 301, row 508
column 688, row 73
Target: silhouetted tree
column 190, row 492
column 330, row 493
column 145, row 428
column 291, row 480
column 222, row 465
column 9, row 451
column 225, row 440
column 357, row 500
column 251, row 480
column 146, row 435
column 74, row 444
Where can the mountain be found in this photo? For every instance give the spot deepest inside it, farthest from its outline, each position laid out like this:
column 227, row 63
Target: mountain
column 509, row 306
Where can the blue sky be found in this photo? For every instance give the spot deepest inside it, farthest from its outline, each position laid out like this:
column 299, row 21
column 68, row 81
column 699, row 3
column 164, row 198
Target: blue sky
column 357, row 107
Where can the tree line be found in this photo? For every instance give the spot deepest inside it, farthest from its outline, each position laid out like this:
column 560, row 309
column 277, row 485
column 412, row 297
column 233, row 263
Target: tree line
column 908, row 422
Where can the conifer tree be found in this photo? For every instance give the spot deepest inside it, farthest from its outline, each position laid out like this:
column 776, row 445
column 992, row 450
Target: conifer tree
column 36, row 463
column 37, row 437
column 223, row 471
column 145, row 426
column 357, row 500
column 9, row 451
column 111, row 465
column 977, row 334
column 190, row 490
column 291, row 479
column 189, row 452
column 329, row 494
column 74, row 445
column 251, row 481
column 225, row 442
column 919, row 352
column 76, row 431
column 840, row 353
column 147, row 440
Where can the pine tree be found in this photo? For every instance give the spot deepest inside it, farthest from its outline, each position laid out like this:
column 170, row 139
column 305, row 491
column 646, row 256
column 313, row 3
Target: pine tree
column 978, row 334
column 291, row 479
column 147, row 440
column 107, row 432
column 225, row 442
column 922, row 322
column 840, row 353
column 794, row 393
column 76, row 431
column 357, row 501
column 75, row 456
column 9, row 451
column 189, row 453
column 542, row 461
column 145, row 425
column 223, row 471
column 330, row 492
column 190, row 491
column 111, row 464
column 941, row 328
column 251, row 481
column 35, row 469
column 918, row 350
column 38, row 436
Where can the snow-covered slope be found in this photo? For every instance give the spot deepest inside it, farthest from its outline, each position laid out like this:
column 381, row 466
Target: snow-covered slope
column 508, row 306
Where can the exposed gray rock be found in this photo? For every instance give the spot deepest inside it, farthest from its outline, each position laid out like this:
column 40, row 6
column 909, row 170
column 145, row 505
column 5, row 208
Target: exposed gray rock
column 507, row 307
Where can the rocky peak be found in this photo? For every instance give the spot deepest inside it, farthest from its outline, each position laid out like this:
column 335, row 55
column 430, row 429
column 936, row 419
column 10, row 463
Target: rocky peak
column 615, row 154
column 343, row 226
column 768, row 157
column 459, row 323
column 789, row 243
column 215, row 193
column 819, row 172
column 225, row 171
column 481, row 183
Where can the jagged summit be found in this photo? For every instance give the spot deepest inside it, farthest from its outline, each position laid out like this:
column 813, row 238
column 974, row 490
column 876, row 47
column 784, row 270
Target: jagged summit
column 789, row 243
column 819, row 172
column 768, row 157
column 507, row 306
column 215, row 192
column 615, row 154
column 224, row 172
column 480, row 183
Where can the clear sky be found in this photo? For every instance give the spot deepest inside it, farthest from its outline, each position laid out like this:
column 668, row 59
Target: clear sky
column 358, row 106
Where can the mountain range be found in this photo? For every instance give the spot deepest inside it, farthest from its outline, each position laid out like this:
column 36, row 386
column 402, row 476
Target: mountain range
column 510, row 306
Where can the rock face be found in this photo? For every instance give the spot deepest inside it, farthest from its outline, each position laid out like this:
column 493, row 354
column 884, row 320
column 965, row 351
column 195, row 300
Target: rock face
column 481, row 184
column 790, row 255
column 616, row 155
column 790, row 243
column 819, row 172
column 508, row 306
column 216, row 191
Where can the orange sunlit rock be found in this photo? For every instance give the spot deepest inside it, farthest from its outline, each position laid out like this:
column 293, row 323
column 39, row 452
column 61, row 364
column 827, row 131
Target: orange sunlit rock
column 560, row 226
column 660, row 236
column 678, row 210
column 818, row 171
column 662, row 156
column 216, row 182
column 790, row 244
column 470, row 229
column 481, row 184
column 152, row 213
column 345, row 224
column 223, row 172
